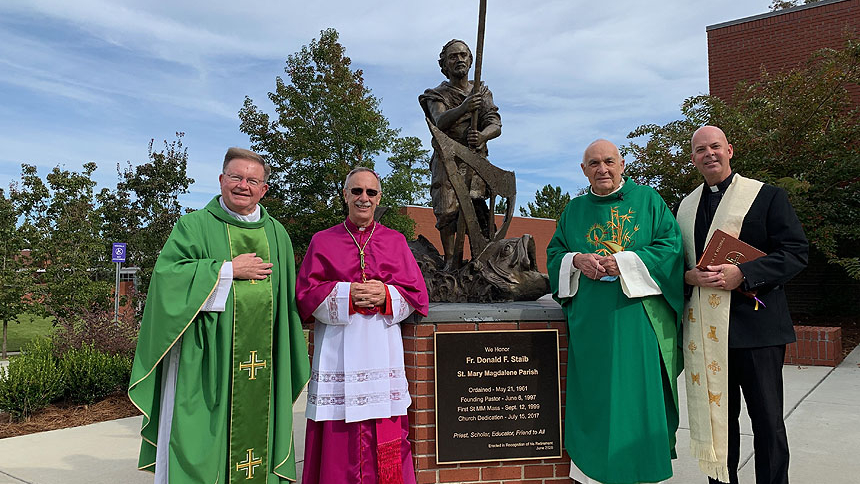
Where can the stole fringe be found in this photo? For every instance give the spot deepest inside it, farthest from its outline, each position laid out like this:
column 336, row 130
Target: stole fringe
column 715, row 470
column 703, row 450
column 389, row 462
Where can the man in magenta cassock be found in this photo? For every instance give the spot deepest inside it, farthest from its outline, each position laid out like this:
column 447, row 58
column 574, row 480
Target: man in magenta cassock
column 358, row 280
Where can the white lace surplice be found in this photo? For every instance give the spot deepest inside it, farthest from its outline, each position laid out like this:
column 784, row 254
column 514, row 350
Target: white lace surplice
column 358, row 372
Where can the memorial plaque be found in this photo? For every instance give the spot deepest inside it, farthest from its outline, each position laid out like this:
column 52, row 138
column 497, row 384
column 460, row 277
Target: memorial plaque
column 498, row 396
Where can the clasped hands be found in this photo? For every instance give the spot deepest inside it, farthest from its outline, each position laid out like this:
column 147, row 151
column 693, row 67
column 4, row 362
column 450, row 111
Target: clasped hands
column 722, row 276
column 595, row 266
column 367, row 294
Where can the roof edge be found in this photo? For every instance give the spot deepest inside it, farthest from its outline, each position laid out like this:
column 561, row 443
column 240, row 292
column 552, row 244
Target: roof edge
column 753, row 18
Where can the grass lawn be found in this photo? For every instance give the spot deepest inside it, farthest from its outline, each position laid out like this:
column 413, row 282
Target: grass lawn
column 28, row 328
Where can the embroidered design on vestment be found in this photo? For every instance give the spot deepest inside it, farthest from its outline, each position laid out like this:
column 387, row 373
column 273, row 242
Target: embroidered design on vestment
column 252, row 365
column 358, row 376
column 356, row 400
column 692, row 346
column 714, row 398
column 249, row 465
column 714, row 300
column 695, row 378
column 615, row 235
column 690, row 317
column 712, row 334
column 714, row 367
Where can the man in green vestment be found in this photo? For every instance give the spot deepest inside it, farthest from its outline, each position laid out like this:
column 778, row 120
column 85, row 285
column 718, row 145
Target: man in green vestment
column 623, row 323
column 221, row 357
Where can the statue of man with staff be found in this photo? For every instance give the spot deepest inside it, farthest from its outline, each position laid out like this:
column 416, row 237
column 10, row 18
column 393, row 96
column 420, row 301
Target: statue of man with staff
column 465, row 112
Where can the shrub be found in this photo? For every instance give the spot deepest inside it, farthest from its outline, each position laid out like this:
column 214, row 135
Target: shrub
column 31, row 381
column 91, row 375
column 98, row 329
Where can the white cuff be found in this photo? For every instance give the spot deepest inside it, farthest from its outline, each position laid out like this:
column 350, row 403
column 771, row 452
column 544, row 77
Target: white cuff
column 400, row 308
column 636, row 281
column 218, row 299
column 568, row 276
column 334, row 309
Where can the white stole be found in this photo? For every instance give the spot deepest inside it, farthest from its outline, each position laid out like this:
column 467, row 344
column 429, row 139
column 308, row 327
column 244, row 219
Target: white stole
column 706, row 332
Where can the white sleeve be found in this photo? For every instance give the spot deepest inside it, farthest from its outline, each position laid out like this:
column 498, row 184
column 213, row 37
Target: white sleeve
column 400, row 308
column 636, row 281
column 568, row 276
column 218, row 299
column 335, row 307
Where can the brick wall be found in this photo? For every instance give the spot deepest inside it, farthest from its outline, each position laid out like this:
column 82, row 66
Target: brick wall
column 815, row 346
column 738, row 50
column 541, row 229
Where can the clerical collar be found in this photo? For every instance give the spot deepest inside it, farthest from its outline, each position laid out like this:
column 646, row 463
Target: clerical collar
column 723, row 185
column 251, row 217
column 610, row 193
column 355, row 228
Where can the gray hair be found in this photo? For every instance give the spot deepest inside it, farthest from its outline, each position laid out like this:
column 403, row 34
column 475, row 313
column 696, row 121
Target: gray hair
column 234, row 153
column 360, row 169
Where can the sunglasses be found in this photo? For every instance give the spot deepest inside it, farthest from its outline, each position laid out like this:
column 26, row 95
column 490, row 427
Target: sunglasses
column 357, row 191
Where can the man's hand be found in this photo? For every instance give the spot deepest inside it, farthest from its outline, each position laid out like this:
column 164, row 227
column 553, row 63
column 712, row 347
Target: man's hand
column 723, row 276
column 610, row 265
column 476, row 138
column 367, row 294
column 589, row 264
column 471, row 103
column 249, row 266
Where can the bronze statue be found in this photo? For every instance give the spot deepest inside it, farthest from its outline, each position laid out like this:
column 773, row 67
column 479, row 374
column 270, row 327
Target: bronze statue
column 450, row 107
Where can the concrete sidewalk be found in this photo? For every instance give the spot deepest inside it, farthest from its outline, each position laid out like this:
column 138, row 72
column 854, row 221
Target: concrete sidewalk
column 822, row 408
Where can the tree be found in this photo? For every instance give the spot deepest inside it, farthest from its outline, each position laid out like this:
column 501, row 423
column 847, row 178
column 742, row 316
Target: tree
column 796, row 129
column 145, row 205
column 16, row 277
column 783, row 4
column 327, row 123
column 409, row 180
column 549, row 203
column 66, row 242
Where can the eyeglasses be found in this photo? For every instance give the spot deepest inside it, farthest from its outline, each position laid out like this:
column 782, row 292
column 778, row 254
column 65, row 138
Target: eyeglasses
column 357, row 191
column 238, row 179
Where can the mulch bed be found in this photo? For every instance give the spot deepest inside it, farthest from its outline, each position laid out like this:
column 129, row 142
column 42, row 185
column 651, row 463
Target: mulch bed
column 64, row 415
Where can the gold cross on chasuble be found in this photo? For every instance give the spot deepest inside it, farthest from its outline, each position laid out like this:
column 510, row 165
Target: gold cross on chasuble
column 249, row 465
column 252, row 365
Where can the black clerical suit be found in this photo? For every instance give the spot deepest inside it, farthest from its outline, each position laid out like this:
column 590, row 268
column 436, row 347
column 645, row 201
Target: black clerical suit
column 757, row 339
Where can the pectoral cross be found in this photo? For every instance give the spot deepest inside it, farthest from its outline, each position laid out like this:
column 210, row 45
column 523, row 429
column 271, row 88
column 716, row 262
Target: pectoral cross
column 249, row 465
column 361, row 263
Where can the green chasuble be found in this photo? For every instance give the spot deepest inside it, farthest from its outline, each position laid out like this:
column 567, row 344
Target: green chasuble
column 623, row 359
column 240, row 370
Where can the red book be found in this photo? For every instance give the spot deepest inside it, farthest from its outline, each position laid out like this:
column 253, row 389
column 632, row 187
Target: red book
column 726, row 249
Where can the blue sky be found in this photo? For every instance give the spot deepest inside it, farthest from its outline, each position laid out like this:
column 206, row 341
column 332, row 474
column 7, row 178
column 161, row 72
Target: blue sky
column 95, row 80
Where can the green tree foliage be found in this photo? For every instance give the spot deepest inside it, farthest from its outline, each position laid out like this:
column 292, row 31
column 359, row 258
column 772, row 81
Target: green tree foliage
column 549, row 203
column 797, row 129
column 783, row 4
column 16, row 277
column 327, row 122
column 66, row 243
column 409, row 180
column 145, row 205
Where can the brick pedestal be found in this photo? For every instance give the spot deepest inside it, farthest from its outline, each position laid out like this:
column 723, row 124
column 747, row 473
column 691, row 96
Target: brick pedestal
column 418, row 347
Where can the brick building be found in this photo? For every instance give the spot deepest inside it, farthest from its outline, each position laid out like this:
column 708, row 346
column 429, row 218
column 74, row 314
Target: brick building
column 739, row 49
column 541, row 229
